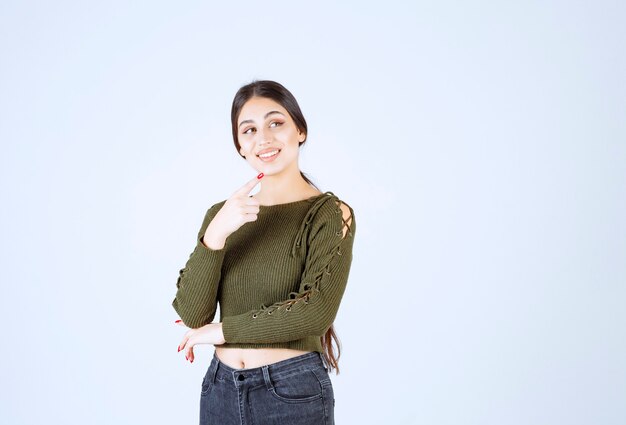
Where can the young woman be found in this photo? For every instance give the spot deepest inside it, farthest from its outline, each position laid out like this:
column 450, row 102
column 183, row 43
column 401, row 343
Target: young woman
column 277, row 263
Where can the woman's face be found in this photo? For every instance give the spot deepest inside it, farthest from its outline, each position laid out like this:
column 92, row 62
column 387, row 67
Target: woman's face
column 268, row 137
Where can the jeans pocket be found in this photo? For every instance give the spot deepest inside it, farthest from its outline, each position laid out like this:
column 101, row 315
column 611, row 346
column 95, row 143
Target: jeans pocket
column 206, row 384
column 301, row 387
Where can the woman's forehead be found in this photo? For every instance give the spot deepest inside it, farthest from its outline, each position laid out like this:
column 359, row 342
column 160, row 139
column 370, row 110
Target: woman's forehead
column 260, row 107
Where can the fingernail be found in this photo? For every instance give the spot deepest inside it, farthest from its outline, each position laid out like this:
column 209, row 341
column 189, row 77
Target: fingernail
column 178, row 321
column 191, row 360
column 260, row 176
column 186, row 358
column 179, row 348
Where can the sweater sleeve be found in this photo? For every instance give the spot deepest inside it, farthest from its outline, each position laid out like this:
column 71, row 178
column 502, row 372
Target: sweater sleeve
column 311, row 310
column 198, row 281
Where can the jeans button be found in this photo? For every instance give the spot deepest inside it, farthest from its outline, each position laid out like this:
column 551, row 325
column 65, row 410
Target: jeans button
column 241, row 377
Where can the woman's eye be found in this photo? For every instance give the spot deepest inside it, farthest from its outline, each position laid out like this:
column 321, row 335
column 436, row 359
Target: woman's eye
column 253, row 130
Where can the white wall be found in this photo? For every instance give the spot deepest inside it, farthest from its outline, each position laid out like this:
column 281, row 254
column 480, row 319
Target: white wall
column 482, row 146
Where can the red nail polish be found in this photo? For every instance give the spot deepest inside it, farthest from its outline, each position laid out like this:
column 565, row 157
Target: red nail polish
column 178, row 321
column 260, row 176
column 186, row 358
column 179, row 348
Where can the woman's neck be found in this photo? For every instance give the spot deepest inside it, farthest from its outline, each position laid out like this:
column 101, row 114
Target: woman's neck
column 280, row 189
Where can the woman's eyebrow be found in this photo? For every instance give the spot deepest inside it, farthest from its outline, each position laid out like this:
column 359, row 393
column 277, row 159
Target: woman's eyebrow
column 265, row 117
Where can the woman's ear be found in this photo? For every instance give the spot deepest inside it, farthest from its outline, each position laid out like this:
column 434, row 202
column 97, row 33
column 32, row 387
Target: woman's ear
column 301, row 136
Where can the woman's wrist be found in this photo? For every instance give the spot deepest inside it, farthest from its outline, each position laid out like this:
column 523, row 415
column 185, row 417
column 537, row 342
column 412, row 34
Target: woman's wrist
column 214, row 243
column 220, row 334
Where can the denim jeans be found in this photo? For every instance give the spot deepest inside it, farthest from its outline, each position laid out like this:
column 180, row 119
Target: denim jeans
column 296, row 391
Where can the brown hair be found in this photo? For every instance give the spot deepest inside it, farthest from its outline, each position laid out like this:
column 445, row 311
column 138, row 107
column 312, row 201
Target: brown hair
column 279, row 94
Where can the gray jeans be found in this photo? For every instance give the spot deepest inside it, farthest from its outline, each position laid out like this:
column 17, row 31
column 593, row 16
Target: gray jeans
column 296, row 391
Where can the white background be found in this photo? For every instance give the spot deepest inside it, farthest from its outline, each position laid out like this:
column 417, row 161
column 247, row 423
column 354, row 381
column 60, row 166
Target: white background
column 482, row 145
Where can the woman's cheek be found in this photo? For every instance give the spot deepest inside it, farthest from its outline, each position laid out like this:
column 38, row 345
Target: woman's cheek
column 245, row 147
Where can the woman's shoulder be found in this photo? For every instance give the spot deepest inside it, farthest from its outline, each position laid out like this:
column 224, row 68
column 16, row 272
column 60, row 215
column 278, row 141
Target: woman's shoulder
column 213, row 210
column 336, row 209
column 218, row 205
column 339, row 202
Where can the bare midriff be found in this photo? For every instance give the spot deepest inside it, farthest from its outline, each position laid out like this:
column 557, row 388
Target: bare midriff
column 245, row 358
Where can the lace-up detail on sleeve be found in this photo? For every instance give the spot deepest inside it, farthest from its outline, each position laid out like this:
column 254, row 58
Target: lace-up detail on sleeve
column 312, row 309
column 310, row 215
column 294, row 297
column 309, row 289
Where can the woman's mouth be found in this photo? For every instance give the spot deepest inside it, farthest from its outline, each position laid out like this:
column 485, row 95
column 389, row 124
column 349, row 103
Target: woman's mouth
column 269, row 155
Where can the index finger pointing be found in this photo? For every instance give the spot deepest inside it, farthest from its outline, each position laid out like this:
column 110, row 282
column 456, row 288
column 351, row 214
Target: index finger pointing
column 247, row 188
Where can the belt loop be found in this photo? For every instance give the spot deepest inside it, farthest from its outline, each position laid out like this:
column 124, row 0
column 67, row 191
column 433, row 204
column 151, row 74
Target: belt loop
column 266, row 377
column 213, row 369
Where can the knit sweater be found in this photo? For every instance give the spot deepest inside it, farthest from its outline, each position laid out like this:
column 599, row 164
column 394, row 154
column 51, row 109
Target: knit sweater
column 279, row 280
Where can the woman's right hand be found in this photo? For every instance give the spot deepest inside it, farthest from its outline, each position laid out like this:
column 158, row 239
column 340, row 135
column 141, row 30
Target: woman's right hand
column 236, row 211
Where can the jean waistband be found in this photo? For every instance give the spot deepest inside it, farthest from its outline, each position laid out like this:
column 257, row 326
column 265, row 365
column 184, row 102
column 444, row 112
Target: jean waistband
column 255, row 375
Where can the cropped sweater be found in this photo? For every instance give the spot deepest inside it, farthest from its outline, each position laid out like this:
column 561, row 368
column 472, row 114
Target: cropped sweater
column 279, row 280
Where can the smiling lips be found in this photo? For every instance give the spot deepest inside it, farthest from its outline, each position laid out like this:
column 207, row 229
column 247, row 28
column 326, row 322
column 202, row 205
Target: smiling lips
column 268, row 155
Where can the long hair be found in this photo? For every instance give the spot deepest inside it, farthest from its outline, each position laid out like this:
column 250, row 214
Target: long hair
column 279, row 94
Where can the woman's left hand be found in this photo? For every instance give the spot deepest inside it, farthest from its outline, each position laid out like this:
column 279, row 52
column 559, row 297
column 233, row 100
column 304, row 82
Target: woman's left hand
column 207, row 334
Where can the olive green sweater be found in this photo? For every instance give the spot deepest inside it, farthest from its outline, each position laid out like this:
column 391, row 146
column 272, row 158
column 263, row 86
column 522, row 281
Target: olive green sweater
column 279, row 280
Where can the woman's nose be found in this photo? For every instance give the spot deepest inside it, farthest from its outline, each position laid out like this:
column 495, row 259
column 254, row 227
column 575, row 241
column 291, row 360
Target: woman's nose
column 264, row 137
